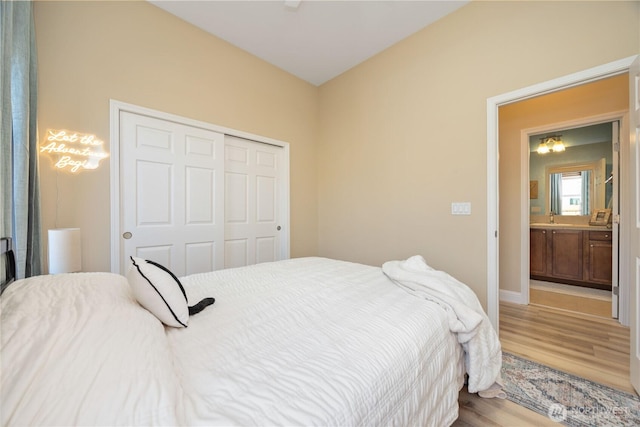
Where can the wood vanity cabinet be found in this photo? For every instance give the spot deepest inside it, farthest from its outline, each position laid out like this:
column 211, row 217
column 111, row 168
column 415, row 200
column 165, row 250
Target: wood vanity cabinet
column 566, row 254
column 600, row 254
column 538, row 252
column 577, row 257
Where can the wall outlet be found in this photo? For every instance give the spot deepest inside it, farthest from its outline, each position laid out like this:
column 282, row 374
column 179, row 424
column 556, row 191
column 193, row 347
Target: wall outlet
column 461, row 208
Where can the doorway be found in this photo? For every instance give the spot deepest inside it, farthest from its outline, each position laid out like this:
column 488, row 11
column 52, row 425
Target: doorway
column 494, row 265
column 628, row 234
column 601, row 101
column 573, row 259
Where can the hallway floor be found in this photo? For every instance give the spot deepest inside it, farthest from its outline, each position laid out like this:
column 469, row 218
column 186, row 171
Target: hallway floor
column 596, row 302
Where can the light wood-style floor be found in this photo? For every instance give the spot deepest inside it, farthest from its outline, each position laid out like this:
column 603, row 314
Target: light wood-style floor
column 575, row 298
column 588, row 346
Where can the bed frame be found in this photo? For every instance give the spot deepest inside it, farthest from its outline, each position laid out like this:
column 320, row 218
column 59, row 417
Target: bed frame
column 9, row 263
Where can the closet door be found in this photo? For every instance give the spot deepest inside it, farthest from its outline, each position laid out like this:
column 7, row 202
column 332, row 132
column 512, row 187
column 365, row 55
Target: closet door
column 172, row 194
column 253, row 183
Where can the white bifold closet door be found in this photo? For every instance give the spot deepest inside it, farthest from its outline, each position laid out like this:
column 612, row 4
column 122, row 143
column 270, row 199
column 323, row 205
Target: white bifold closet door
column 195, row 200
column 251, row 232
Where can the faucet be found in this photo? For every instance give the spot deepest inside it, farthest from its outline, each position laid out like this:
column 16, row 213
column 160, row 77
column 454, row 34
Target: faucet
column 551, row 219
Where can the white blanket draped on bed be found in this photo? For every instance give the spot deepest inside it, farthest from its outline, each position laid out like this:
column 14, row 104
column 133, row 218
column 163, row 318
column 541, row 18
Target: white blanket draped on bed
column 467, row 319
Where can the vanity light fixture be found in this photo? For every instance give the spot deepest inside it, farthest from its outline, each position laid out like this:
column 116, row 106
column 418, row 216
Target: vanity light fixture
column 556, row 144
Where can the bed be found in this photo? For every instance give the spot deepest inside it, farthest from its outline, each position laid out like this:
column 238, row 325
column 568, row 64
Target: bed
column 309, row 341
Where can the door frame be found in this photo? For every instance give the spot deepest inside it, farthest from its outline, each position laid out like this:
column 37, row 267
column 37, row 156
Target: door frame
column 609, row 117
column 493, row 103
column 116, row 107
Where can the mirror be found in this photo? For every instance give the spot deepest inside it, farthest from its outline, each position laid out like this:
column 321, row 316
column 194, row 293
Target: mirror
column 575, row 189
column 572, row 182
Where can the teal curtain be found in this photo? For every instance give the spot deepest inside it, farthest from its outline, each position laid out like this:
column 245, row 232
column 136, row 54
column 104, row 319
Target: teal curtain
column 556, row 193
column 19, row 182
column 586, row 191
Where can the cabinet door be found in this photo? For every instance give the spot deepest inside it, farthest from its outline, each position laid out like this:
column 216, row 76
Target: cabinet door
column 600, row 261
column 566, row 254
column 537, row 252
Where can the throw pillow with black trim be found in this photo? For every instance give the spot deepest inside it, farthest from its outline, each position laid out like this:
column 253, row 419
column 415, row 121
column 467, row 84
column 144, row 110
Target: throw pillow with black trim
column 158, row 290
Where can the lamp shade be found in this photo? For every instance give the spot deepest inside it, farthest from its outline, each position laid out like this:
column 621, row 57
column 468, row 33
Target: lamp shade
column 543, row 148
column 65, row 255
column 558, row 146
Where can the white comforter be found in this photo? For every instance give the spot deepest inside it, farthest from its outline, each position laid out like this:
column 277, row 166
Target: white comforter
column 300, row 342
column 77, row 350
column 315, row 341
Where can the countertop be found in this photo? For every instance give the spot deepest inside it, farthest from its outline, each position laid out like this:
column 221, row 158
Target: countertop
column 586, row 227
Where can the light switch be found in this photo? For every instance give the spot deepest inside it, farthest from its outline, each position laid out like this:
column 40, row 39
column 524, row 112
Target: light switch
column 461, row 208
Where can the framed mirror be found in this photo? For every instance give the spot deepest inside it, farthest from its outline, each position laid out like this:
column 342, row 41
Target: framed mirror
column 572, row 182
column 575, row 189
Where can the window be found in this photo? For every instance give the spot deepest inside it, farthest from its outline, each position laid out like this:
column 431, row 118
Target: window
column 572, row 188
column 572, row 196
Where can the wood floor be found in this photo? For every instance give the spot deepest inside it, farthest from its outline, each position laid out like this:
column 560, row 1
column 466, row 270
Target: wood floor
column 575, row 298
column 588, row 346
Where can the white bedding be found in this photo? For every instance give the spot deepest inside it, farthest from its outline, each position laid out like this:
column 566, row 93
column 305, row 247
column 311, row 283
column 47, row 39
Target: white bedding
column 315, row 342
column 78, row 350
column 309, row 341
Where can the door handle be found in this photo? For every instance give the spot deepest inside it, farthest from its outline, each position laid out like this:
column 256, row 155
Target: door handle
column 127, row 235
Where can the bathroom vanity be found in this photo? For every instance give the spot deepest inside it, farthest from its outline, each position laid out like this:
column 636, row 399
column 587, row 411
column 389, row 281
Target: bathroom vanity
column 573, row 254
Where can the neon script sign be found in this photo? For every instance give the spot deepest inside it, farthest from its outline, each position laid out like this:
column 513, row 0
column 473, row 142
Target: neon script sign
column 73, row 150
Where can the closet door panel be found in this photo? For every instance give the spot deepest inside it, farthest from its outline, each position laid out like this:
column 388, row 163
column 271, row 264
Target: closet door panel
column 172, row 199
column 253, row 174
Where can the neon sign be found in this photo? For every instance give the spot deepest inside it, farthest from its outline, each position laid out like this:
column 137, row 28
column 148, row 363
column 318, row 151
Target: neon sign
column 73, row 150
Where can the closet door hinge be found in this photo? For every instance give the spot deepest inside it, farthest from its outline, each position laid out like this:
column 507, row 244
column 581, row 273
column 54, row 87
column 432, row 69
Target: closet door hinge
column 616, row 147
column 616, row 290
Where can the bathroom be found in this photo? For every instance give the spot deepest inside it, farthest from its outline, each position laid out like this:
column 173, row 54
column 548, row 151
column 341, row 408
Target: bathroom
column 573, row 215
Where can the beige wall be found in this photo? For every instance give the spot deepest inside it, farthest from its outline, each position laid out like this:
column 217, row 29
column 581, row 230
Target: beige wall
column 602, row 97
column 90, row 52
column 403, row 135
column 377, row 154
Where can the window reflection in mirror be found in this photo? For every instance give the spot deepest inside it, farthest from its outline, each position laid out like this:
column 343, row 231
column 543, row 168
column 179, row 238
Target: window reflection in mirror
column 570, row 191
column 576, row 189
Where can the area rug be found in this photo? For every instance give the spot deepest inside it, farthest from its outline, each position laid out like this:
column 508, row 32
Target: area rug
column 566, row 398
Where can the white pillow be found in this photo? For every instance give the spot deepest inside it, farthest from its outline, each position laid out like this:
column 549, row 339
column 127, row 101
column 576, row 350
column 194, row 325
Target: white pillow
column 159, row 291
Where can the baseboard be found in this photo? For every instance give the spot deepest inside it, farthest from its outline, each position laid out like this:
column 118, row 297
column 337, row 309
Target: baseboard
column 512, row 296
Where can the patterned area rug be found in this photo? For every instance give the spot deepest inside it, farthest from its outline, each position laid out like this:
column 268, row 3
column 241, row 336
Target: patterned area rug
column 566, row 398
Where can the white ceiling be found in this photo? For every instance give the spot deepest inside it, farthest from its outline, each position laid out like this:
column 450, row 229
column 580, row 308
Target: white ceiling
column 318, row 40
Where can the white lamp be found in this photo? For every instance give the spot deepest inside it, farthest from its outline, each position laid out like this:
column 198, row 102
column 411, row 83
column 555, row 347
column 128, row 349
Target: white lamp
column 65, row 255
